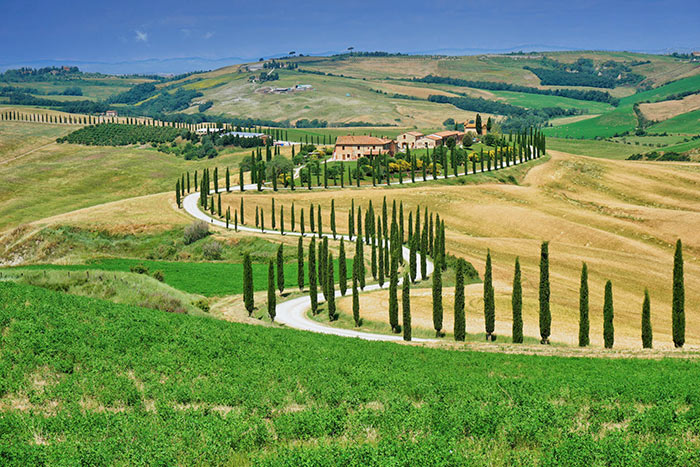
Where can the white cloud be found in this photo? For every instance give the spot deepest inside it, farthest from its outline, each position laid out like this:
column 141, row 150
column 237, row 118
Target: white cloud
column 209, row 35
column 141, row 36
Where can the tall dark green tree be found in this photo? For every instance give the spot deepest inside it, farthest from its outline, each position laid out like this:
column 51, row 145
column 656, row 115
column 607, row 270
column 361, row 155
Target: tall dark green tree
column 608, row 315
column 177, row 193
column 313, row 290
column 271, row 297
column 333, row 218
column 545, row 312
column 300, row 264
column 647, row 336
column 393, row 294
column 280, row 268
column 248, row 299
column 489, row 299
column 319, row 222
column 360, row 260
column 460, row 325
column 380, row 259
column 342, row 269
column 355, row 298
column 678, row 306
column 517, row 303
column 583, row 320
column 330, row 289
column 437, row 302
column 412, row 257
column 406, row 307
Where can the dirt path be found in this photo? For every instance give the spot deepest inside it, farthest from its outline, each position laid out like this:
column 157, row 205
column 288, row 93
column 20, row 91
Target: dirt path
column 6, row 161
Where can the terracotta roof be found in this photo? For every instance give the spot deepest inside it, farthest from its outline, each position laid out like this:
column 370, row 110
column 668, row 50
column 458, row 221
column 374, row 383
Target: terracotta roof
column 414, row 133
column 447, row 134
column 351, row 140
column 435, row 137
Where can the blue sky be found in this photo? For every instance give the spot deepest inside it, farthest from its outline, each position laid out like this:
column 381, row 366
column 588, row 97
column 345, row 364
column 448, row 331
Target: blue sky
column 127, row 31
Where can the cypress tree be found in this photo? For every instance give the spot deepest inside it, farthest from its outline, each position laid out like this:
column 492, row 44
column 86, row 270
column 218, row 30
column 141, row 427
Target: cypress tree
column 517, row 305
column 312, row 222
column 401, row 224
column 322, row 266
column 351, row 219
column 320, row 225
column 242, row 212
column 313, row 292
column 342, row 269
column 355, row 298
column 271, row 297
column 489, row 304
column 282, row 220
column 280, row 268
column 235, row 221
column 248, row 299
column 412, row 266
column 272, row 215
column 583, row 321
column 381, row 261
column 459, row 318
column 300, row 264
column 678, row 307
column 177, row 193
column 262, row 220
column 424, row 252
column 437, row 302
column 257, row 216
column 393, row 298
column 228, row 180
column 646, row 322
column 330, row 286
column 373, row 258
column 360, row 260
column 406, row 307
column 333, row 218
column 608, row 314
column 293, row 220
column 545, row 312
column 219, row 204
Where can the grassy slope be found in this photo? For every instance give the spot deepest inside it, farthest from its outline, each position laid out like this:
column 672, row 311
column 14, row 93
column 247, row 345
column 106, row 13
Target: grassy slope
column 120, row 385
column 208, row 279
column 58, row 178
column 688, row 123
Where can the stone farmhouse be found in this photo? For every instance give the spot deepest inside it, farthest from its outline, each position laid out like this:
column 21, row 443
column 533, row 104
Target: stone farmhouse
column 351, row 148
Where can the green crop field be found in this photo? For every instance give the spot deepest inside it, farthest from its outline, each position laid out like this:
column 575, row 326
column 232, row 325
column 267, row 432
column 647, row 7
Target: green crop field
column 537, row 101
column 688, row 123
column 618, row 121
column 209, row 279
column 90, row 382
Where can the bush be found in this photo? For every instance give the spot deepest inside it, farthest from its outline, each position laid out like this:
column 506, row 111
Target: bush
column 139, row 269
column 212, row 250
column 159, row 275
column 195, row 231
column 202, row 304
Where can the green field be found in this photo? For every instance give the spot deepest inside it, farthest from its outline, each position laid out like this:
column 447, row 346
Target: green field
column 618, row 121
column 209, row 279
column 688, row 123
column 89, row 382
column 538, row 101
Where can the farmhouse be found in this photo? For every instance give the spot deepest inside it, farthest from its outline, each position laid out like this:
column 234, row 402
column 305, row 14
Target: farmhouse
column 429, row 141
column 111, row 113
column 408, row 139
column 351, row 148
column 470, row 126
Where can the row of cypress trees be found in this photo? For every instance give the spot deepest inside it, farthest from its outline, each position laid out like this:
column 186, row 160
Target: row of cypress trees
column 545, row 318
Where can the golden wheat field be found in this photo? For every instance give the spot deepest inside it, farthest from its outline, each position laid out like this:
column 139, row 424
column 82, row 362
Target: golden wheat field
column 622, row 218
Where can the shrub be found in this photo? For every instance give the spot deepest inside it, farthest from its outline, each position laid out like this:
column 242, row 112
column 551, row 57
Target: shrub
column 212, row 250
column 139, row 269
column 196, row 231
column 159, row 275
column 202, row 304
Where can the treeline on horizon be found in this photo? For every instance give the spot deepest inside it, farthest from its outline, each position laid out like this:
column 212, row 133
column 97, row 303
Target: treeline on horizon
column 591, row 95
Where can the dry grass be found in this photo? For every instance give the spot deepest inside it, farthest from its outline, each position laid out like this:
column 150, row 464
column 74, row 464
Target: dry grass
column 664, row 110
column 620, row 217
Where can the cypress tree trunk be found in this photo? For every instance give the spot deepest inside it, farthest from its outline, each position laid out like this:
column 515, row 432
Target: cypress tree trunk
column 459, row 318
column 406, row 307
column 489, row 305
column 545, row 313
column 393, row 298
column 248, row 298
column 584, row 323
column 355, row 298
column 437, row 302
column 300, row 264
column 646, row 322
column 678, row 310
column 608, row 314
column 517, row 305
column 330, row 286
column 342, row 269
column 271, row 297
column 280, row 268
column 313, row 291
